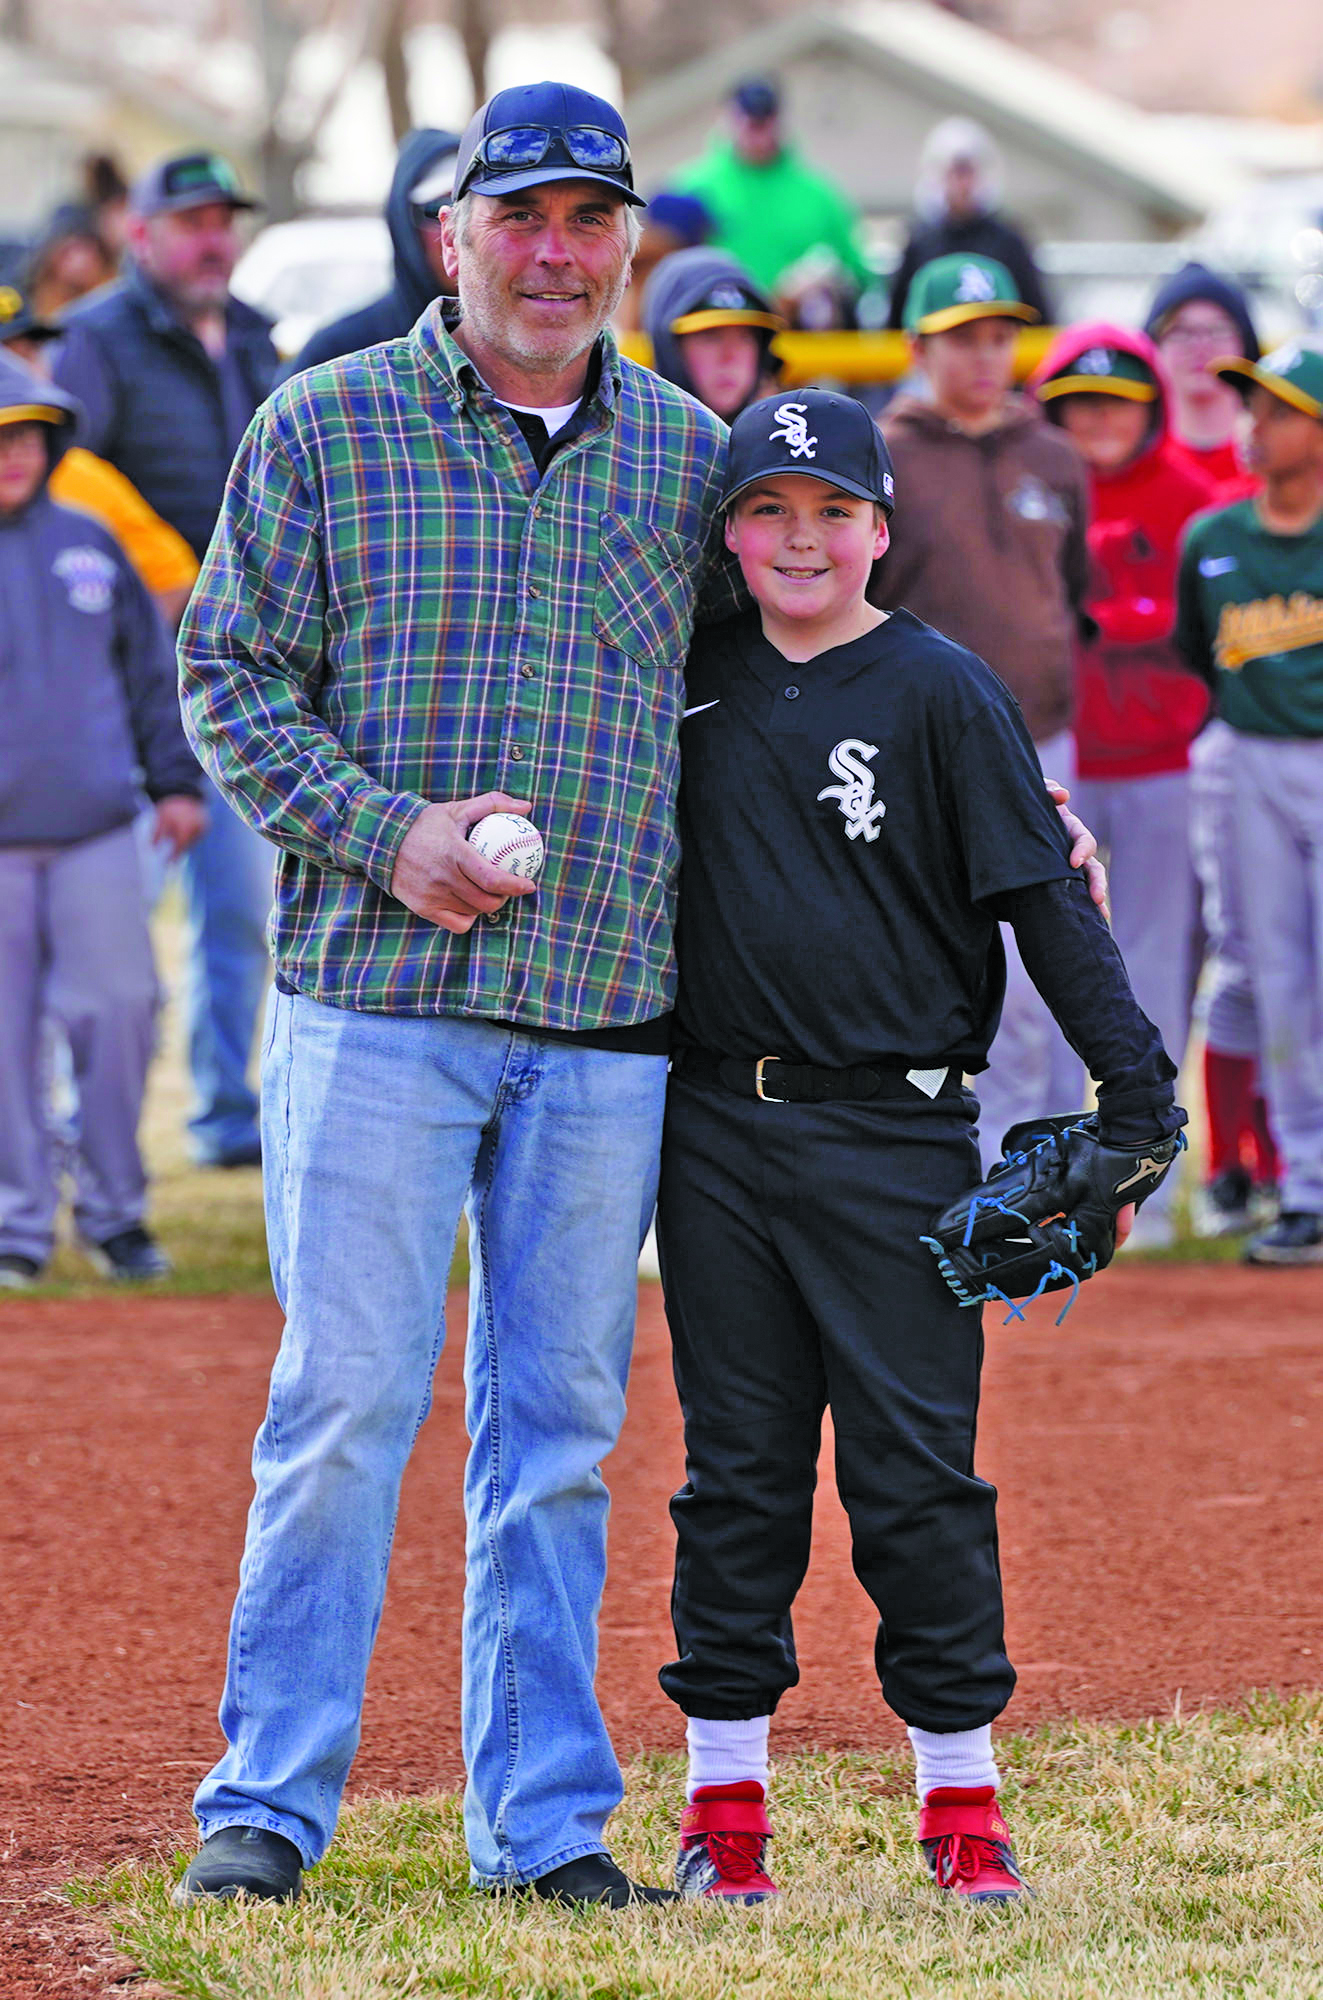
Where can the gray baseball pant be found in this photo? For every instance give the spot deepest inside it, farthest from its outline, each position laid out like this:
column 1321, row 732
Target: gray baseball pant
column 1143, row 829
column 1277, row 791
column 1032, row 1070
column 1232, row 1021
column 74, row 945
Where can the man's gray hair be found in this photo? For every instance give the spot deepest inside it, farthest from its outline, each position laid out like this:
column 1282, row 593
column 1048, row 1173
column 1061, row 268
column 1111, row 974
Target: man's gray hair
column 461, row 214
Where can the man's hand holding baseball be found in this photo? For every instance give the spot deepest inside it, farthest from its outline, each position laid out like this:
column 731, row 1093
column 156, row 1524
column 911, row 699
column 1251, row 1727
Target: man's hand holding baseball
column 440, row 877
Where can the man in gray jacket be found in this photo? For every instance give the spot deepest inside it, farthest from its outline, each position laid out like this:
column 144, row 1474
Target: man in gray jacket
column 88, row 686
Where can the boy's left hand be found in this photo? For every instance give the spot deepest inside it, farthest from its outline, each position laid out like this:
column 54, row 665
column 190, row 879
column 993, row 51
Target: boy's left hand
column 1084, row 853
column 180, row 820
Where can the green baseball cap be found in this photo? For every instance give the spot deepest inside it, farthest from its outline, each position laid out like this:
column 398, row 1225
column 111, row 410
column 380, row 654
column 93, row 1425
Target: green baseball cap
column 1102, row 371
column 949, row 291
column 1293, row 372
column 188, row 180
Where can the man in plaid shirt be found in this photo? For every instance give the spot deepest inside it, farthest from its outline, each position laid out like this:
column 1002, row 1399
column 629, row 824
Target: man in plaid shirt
column 454, row 574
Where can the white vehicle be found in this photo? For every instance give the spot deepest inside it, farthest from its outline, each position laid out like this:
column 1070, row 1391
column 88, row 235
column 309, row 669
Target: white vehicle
column 306, row 272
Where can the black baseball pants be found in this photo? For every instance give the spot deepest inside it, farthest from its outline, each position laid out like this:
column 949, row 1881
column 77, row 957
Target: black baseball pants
column 794, row 1278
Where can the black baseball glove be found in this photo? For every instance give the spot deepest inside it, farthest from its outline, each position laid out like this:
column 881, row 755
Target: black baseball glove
column 1044, row 1220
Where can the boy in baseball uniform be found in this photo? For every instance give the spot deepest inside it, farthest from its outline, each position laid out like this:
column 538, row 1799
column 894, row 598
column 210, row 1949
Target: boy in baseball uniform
column 1250, row 618
column 990, row 548
column 860, row 804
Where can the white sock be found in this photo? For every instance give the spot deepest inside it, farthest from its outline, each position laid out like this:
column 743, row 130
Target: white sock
column 963, row 1758
column 727, row 1753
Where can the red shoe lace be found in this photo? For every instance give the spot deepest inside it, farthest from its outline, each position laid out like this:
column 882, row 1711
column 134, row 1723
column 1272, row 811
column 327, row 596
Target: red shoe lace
column 960, row 1857
column 738, row 1856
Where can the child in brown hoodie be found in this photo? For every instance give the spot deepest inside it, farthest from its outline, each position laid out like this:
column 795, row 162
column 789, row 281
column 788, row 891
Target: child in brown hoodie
column 992, row 552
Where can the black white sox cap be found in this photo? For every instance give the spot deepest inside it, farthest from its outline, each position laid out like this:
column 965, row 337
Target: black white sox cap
column 816, row 431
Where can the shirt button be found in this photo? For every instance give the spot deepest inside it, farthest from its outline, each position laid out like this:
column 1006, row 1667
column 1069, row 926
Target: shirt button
column 792, row 694
column 528, row 672
column 517, row 754
column 539, row 511
column 533, row 590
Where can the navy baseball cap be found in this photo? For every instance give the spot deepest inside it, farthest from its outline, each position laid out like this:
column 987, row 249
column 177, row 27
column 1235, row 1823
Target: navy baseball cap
column 540, row 132
column 757, row 97
column 188, row 180
column 816, row 431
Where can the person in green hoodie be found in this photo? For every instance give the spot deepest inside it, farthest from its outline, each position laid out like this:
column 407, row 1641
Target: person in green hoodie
column 769, row 207
column 992, row 552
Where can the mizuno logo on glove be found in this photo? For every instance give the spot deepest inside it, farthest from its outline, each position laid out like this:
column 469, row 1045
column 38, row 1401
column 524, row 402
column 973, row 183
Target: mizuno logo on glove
column 1143, row 1172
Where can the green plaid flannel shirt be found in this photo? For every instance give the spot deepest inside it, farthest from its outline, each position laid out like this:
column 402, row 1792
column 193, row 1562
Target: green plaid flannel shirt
column 395, row 610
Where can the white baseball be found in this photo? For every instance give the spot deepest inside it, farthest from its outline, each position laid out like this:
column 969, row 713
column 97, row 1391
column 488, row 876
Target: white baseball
column 511, row 842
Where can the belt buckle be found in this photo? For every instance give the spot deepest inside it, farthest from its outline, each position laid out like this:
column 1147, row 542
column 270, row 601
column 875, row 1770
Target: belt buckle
column 759, row 1078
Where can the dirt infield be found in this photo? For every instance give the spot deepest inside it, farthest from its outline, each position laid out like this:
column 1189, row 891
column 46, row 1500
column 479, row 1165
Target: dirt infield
column 1161, row 1467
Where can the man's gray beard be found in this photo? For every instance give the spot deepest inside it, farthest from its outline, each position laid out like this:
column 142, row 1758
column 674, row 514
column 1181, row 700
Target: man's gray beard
column 495, row 330
column 185, row 299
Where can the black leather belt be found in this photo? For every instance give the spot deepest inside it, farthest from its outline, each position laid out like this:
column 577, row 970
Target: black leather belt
column 778, row 1082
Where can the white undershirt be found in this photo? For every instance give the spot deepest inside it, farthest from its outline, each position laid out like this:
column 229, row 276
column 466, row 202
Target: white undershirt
column 555, row 415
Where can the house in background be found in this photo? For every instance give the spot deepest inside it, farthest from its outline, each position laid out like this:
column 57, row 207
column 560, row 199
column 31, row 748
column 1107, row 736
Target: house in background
column 866, row 82
column 53, row 112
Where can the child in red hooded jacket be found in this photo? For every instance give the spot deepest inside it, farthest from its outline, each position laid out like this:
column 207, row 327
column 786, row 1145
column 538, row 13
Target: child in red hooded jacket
column 1138, row 706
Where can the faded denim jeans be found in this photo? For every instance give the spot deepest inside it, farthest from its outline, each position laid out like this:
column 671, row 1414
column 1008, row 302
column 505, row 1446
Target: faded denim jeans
column 376, row 1130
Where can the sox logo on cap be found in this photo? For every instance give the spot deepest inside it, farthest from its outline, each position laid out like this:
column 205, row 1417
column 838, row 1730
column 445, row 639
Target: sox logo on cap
column 792, row 425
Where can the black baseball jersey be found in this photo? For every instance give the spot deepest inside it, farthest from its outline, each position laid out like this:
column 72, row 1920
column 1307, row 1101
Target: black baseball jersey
column 844, row 823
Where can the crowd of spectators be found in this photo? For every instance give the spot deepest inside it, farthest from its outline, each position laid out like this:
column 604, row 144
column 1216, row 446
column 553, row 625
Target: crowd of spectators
column 1042, row 527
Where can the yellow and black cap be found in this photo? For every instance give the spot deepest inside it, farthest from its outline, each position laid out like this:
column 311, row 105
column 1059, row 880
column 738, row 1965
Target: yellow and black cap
column 728, row 301
column 951, row 291
column 19, row 320
column 815, row 431
column 1102, row 371
column 1293, row 372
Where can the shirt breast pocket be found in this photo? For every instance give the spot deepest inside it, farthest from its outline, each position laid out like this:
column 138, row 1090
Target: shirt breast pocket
column 647, row 583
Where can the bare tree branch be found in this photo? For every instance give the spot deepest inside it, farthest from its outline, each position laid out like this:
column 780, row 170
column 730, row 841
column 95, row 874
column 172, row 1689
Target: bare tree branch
column 395, row 65
column 473, row 19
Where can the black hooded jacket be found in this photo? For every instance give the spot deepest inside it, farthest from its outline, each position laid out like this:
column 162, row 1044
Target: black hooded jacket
column 986, row 235
column 415, row 286
column 678, row 286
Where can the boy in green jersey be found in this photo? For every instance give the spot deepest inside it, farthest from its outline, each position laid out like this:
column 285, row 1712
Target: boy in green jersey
column 1250, row 617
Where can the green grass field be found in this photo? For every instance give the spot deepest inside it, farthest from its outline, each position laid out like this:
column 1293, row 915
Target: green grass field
column 1181, row 1858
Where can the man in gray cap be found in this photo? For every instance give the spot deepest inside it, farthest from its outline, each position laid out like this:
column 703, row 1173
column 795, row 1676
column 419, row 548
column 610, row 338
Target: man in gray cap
column 454, row 574
column 169, row 367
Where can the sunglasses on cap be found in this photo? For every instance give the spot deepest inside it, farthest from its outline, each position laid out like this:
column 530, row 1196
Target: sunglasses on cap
column 518, row 147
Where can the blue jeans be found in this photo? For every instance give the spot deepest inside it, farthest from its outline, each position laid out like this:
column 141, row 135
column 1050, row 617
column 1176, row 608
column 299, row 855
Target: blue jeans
column 376, row 1129
column 227, row 880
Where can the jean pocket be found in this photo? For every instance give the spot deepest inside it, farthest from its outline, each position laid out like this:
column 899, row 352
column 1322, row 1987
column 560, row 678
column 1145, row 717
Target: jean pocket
column 647, row 582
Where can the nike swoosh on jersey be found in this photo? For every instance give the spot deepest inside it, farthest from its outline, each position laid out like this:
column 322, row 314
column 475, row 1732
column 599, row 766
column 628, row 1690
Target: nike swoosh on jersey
column 1218, row 565
column 702, row 707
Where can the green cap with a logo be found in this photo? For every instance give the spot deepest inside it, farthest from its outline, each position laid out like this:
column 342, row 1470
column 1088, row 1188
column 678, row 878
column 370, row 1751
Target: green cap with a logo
column 1293, row 372
column 1102, row 371
column 950, row 291
column 188, row 180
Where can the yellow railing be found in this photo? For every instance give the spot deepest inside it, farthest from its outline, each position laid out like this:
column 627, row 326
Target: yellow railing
column 854, row 357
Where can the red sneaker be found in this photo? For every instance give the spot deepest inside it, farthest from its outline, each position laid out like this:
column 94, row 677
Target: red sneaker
column 968, row 1845
column 723, row 1837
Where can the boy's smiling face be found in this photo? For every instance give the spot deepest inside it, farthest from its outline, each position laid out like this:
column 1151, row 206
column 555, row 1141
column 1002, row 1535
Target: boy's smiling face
column 24, row 463
column 806, row 548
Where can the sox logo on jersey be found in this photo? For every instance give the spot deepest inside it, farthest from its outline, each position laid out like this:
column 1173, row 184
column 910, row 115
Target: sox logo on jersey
column 854, row 795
